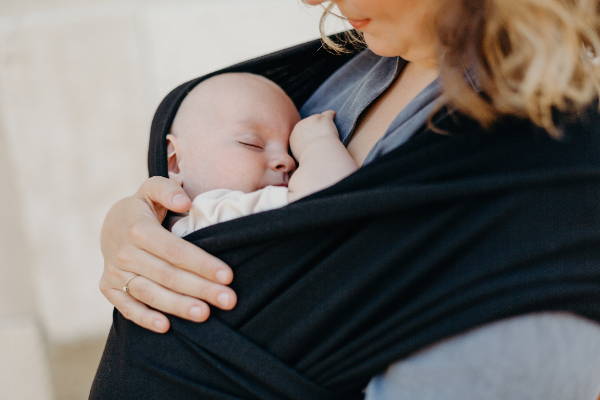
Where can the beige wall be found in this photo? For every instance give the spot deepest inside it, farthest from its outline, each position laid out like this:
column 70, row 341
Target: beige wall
column 79, row 81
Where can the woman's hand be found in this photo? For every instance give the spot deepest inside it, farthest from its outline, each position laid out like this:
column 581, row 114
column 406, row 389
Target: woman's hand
column 159, row 269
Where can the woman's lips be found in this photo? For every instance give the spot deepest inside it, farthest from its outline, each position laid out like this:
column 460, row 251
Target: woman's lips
column 359, row 23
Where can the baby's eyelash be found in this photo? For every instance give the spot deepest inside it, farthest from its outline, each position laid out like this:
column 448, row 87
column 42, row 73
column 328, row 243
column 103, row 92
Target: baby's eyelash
column 251, row 145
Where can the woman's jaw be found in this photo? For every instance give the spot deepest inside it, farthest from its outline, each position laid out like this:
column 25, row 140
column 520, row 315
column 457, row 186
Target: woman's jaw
column 390, row 43
column 392, row 28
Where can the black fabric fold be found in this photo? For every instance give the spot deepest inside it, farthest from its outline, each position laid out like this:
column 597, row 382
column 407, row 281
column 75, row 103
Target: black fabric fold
column 442, row 235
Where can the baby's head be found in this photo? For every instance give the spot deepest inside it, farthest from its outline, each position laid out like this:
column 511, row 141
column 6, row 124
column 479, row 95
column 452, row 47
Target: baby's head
column 232, row 132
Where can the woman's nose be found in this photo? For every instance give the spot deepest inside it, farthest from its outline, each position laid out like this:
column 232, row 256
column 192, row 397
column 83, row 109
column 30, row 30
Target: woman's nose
column 283, row 163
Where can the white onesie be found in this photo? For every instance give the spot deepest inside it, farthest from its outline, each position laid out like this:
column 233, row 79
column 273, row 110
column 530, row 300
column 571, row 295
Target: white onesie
column 222, row 205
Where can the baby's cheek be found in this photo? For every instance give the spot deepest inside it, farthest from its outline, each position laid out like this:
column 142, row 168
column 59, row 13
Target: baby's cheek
column 239, row 173
column 198, row 180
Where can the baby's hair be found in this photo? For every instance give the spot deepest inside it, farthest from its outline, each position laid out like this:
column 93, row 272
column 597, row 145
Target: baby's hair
column 206, row 84
column 235, row 75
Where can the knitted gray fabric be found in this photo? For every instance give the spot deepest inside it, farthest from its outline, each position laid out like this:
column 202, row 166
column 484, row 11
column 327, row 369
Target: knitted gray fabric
column 550, row 356
column 370, row 75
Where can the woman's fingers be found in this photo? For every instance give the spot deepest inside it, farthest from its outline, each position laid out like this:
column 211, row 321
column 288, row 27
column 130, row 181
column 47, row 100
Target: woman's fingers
column 164, row 194
column 176, row 280
column 157, row 241
column 135, row 311
column 150, row 293
column 175, row 276
column 161, row 243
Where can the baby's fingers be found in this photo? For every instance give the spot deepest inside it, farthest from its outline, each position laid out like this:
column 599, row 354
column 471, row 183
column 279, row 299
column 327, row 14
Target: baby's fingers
column 329, row 114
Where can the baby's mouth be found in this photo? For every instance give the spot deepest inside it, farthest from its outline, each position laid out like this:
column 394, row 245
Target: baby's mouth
column 283, row 181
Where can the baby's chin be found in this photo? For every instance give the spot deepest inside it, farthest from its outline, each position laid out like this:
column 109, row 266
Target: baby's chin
column 240, row 187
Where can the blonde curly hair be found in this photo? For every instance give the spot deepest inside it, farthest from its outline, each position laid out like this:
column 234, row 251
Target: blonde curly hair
column 528, row 57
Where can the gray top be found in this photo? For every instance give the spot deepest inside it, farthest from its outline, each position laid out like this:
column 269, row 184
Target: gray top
column 550, row 356
column 544, row 355
column 369, row 76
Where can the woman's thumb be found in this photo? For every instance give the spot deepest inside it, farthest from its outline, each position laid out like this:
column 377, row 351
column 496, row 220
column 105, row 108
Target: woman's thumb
column 166, row 192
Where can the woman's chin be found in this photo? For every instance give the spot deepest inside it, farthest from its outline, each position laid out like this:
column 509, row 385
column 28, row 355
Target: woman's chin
column 380, row 46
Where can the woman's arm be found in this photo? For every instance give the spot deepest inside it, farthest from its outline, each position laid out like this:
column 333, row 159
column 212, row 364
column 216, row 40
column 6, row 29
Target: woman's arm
column 546, row 356
column 174, row 276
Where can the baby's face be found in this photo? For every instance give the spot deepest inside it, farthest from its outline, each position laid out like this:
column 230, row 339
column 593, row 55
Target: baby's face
column 235, row 138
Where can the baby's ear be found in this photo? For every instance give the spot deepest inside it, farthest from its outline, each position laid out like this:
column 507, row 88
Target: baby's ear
column 173, row 160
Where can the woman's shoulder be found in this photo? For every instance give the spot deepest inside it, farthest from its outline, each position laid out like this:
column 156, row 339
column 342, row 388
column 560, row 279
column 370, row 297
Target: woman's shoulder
column 573, row 130
column 586, row 121
column 512, row 146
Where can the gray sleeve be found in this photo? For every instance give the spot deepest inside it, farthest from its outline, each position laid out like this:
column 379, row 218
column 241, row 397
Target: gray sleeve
column 550, row 356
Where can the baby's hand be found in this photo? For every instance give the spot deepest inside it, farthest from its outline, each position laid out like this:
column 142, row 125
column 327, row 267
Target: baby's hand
column 312, row 129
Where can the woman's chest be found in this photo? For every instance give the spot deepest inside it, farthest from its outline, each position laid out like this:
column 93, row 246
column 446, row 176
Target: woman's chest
column 376, row 119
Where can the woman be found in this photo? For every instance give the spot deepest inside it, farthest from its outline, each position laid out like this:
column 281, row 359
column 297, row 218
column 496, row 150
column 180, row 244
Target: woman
column 493, row 58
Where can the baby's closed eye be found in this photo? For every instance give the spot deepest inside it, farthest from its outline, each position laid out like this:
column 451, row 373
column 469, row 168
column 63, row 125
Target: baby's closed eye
column 251, row 145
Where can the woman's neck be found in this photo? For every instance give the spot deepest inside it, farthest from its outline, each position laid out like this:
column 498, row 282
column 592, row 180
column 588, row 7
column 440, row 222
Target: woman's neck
column 422, row 68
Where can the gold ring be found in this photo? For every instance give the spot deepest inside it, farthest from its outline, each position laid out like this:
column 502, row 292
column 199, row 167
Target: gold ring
column 125, row 287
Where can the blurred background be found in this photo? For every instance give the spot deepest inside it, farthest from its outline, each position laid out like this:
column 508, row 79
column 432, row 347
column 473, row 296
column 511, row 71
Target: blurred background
column 79, row 82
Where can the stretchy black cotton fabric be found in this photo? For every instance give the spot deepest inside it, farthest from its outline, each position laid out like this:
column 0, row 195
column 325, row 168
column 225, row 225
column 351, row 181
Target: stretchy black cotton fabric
column 443, row 234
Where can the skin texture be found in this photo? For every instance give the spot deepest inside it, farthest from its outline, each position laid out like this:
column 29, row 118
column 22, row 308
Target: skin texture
column 181, row 279
column 237, row 142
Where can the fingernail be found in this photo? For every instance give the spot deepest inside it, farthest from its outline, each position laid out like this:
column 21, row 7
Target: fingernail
column 224, row 299
column 223, row 276
column 179, row 200
column 196, row 312
column 158, row 324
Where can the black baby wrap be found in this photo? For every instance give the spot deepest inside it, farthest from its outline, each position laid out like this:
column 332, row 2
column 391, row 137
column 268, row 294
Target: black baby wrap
column 441, row 235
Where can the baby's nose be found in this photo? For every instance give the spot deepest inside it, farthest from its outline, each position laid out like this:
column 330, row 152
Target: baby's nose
column 284, row 163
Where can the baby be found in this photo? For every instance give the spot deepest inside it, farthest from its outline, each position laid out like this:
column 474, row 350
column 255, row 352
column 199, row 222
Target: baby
column 228, row 148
